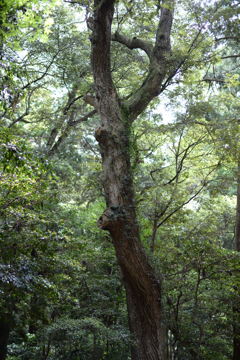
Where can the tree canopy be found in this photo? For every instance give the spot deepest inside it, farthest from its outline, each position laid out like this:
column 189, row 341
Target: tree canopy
column 119, row 180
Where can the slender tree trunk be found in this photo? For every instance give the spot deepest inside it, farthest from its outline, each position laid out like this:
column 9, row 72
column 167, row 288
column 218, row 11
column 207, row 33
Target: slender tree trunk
column 236, row 306
column 237, row 229
column 154, row 233
column 4, row 335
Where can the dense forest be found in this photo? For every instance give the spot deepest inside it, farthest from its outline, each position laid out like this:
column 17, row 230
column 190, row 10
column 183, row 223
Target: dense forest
column 119, row 180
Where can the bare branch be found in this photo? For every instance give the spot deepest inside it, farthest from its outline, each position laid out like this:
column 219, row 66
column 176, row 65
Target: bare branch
column 78, row 2
column 231, row 56
column 235, row 38
column 71, row 103
column 134, row 43
column 214, row 79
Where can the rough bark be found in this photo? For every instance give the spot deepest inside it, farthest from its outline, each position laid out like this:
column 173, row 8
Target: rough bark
column 158, row 66
column 236, row 306
column 143, row 288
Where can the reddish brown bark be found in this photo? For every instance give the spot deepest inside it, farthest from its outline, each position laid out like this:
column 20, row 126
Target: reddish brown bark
column 143, row 288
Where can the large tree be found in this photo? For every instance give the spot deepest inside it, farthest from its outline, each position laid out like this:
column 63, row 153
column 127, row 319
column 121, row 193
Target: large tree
column 143, row 287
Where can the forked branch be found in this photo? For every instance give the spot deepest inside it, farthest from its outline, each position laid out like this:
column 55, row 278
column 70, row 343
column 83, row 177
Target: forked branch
column 159, row 60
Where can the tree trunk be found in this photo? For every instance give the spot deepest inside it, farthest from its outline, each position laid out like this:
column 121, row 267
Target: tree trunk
column 4, row 335
column 236, row 336
column 143, row 288
column 236, row 306
column 237, row 226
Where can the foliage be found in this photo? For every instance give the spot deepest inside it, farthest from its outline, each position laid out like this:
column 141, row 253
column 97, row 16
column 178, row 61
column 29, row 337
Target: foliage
column 61, row 291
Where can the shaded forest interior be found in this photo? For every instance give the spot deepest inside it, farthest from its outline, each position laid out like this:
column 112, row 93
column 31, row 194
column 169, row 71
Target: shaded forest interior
column 119, row 180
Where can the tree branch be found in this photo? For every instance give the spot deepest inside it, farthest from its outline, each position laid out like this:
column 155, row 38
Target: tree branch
column 205, row 183
column 235, row 38
column 83, row 118
column 158, row 67
column 134, row 43
column 91, row 100
column 231, row 56
column 101, row 42
column 71, row 103
column 180, row 64
column 181, row 206
column 214, row 79
column 43, row 74
column 26, row 112
column 67, row 129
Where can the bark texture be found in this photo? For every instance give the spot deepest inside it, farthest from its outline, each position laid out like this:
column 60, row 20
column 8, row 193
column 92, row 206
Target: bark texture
column 143, row 288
